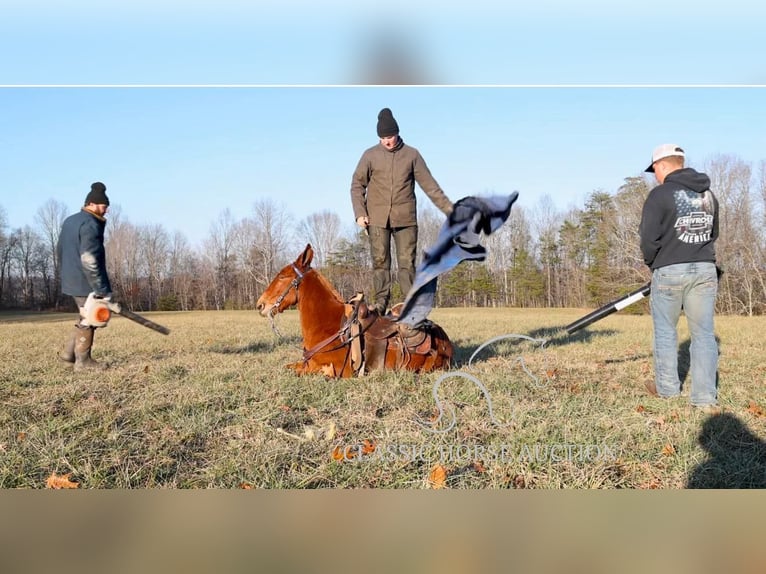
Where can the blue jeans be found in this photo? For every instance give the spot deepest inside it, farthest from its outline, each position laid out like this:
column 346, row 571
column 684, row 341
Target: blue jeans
column 692, row 287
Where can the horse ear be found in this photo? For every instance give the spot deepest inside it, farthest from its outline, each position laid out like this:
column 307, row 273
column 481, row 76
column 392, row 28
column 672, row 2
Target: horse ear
column 304, row 259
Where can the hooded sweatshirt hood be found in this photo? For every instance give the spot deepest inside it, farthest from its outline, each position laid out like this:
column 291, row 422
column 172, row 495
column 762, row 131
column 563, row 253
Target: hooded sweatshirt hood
column 690, row 179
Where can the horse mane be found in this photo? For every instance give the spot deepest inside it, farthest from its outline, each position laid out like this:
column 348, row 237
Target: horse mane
column 327, row 285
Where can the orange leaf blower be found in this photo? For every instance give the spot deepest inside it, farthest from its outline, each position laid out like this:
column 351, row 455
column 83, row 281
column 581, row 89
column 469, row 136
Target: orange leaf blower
column 97, row 311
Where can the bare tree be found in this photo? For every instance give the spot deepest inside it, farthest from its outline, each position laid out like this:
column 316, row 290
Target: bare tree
column 6, row 247
column 246, row 236
column 219, row 247
column 762, row 189
column 24, row 257
column 181, row 269
column 50, row 217
column 625, row 253
column 322, row 230
column 738, row 243
column 123, row 260
column 272, row 223
column 154, row 251
column 430, row 222
column 546, row 221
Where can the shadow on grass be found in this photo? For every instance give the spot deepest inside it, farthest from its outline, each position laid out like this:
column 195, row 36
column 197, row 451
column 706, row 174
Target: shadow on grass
column 736, row 457
column 259, row 346
column 37, row 317
column 557, row 336
column 552, row 336
column 684, row 359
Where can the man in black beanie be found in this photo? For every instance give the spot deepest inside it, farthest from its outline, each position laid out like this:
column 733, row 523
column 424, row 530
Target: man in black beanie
column 384, row 202
column 83, row 270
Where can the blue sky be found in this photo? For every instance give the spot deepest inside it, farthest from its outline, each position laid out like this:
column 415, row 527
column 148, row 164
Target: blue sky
column 179, row 156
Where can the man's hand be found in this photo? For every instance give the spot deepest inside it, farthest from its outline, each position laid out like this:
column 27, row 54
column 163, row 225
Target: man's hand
column 363, row 221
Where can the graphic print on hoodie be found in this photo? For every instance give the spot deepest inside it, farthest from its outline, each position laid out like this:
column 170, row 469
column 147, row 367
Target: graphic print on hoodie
column 679, row 221
column 695, row 216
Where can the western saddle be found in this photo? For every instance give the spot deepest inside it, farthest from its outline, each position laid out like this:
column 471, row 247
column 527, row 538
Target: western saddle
column 380, row 342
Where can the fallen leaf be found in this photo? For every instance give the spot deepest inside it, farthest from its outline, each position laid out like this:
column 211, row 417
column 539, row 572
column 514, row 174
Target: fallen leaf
column 755, row 410
column 437, row 478
column 552, row 373
column 574, row 388
column 368, row 447
column 640, row 409
column 60, row 481
column 146, row 369
column 479, row 467
column 653, row 484
column 284, row 408
column 246, row 486
column 21, row 436
column 341, row 453
column 668, row 450
column 519, row 481
column 674, row 416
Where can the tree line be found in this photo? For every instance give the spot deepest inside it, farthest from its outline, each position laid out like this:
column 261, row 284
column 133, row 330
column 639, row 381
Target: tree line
column 542, row 257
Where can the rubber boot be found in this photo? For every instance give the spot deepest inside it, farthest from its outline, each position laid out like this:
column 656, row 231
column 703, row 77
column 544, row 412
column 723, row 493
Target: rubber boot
column 67, row 351
column 83, row 344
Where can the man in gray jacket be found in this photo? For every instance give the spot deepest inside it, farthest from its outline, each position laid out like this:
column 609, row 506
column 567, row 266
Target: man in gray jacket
column 384, row 202
column 83, row 270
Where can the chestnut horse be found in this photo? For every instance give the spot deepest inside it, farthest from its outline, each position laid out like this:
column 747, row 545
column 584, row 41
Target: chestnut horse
column 347, row 339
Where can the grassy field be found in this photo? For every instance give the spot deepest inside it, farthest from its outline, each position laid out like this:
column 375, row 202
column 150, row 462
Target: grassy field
column 211, row 406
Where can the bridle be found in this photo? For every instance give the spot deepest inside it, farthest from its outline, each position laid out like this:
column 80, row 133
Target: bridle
column 294, row 284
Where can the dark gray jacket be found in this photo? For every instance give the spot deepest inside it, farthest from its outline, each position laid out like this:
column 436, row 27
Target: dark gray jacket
column 679, row 221
column 81, row 253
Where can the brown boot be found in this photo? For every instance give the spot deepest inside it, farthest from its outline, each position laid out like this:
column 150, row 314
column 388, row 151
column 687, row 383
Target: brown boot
column 83, row 344
column 67, row 351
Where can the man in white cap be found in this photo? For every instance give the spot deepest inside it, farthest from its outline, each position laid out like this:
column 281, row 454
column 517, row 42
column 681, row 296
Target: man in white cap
column 679, row 227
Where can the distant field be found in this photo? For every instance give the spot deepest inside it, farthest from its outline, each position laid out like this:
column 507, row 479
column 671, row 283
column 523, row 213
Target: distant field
column 211, row 406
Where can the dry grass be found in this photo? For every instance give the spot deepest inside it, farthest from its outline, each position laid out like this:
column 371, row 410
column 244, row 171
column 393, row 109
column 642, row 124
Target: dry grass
column 211, row 406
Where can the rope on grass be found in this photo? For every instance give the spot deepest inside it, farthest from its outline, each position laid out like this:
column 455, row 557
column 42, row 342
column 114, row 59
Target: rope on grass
column 520, row 359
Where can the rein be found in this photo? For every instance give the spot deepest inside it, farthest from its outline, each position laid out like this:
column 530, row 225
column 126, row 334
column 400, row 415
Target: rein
column 345, row 328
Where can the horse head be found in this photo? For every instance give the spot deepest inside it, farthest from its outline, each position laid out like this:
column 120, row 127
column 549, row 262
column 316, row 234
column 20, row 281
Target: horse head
column 282, row 292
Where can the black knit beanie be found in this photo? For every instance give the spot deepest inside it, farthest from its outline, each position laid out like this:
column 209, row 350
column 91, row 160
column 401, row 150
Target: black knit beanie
column 387, row 125
column 97, row 194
